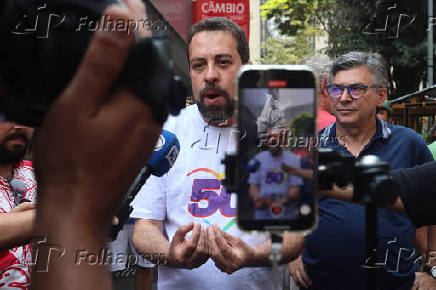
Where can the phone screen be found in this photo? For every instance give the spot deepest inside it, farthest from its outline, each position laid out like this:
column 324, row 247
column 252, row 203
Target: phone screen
column 276, row 117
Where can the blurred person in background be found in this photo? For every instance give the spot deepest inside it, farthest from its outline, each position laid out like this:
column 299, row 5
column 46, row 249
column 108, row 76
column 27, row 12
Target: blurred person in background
column 384, row 112
column 321, row 66
column 432, row 140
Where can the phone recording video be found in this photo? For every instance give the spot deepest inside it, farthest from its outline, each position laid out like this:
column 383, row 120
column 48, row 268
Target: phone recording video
column 276, row 113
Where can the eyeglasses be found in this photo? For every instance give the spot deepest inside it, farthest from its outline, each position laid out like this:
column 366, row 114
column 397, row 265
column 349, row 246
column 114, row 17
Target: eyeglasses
column 356, row 91
column 19, row 189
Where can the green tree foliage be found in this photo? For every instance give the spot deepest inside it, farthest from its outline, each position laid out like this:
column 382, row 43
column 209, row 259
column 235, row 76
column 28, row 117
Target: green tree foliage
column 296, row 16
column 302, row 125
column 287, row 50
column 395, row 29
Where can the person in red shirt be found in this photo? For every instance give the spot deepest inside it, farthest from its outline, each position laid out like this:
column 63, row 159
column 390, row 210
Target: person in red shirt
column 321, row 65
column 17, row 210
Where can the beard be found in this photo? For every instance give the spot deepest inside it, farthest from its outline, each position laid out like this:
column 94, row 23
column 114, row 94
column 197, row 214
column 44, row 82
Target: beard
column 215, row 113
column 275, row 150
column 12, row 157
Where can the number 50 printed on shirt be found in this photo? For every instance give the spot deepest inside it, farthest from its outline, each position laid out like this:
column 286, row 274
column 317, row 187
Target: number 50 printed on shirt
column 206, row 201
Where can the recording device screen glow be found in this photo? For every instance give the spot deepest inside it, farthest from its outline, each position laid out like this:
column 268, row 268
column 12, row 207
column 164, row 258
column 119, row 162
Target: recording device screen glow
column 283, row 118
column 277, row 83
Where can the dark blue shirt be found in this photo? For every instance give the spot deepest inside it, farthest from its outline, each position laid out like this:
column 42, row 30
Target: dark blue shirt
column 335, row 251
column 306, row 190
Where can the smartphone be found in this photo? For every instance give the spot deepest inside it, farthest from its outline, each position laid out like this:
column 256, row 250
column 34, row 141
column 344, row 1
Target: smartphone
column 276, row 154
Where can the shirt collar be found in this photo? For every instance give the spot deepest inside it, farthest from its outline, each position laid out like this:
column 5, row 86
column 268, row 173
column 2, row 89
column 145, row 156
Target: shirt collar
column 383, row 130
column 328, row 134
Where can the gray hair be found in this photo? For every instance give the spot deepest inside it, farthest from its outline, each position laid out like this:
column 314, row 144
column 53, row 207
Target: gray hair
column 223, row 24
column 373, row 61
column 320, row 64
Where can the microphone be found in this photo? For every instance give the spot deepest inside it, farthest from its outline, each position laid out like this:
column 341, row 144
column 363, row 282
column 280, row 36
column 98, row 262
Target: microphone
column 163, row 158
column 19, row 189
column 252, row 166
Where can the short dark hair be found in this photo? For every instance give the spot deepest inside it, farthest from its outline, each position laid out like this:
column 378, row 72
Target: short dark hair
column 222, row 24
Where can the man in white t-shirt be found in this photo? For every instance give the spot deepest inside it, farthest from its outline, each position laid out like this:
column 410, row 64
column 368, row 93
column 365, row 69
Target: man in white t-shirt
column 274, row 192
column 186, row 215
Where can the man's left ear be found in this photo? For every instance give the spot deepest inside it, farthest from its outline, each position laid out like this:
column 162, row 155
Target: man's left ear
column 249, row 62
column 381, row 95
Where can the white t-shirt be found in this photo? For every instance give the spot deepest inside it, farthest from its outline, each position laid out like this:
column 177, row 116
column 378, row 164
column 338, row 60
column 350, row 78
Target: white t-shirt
column 271, row 178
column 191, row 191
column 274, row 183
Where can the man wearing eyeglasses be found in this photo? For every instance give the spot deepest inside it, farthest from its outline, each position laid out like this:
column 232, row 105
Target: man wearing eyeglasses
column 17, row 212
column 334, row 254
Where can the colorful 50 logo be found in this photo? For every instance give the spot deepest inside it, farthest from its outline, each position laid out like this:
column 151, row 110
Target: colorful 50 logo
column 274, row 177
column 206, row 189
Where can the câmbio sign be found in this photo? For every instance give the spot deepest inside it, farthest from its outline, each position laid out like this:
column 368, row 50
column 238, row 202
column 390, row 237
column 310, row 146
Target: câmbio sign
column 236, row 10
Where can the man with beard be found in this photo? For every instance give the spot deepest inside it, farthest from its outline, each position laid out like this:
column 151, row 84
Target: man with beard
column 188, row 205
column 270, row 185
column 17, row 212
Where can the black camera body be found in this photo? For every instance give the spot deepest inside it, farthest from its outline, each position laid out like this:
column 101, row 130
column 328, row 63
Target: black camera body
column 43, row 43
column 369, row 176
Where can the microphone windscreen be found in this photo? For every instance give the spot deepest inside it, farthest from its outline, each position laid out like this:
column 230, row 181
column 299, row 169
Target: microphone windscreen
column 18, row 186
column 164, row 154
column 252, row 165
